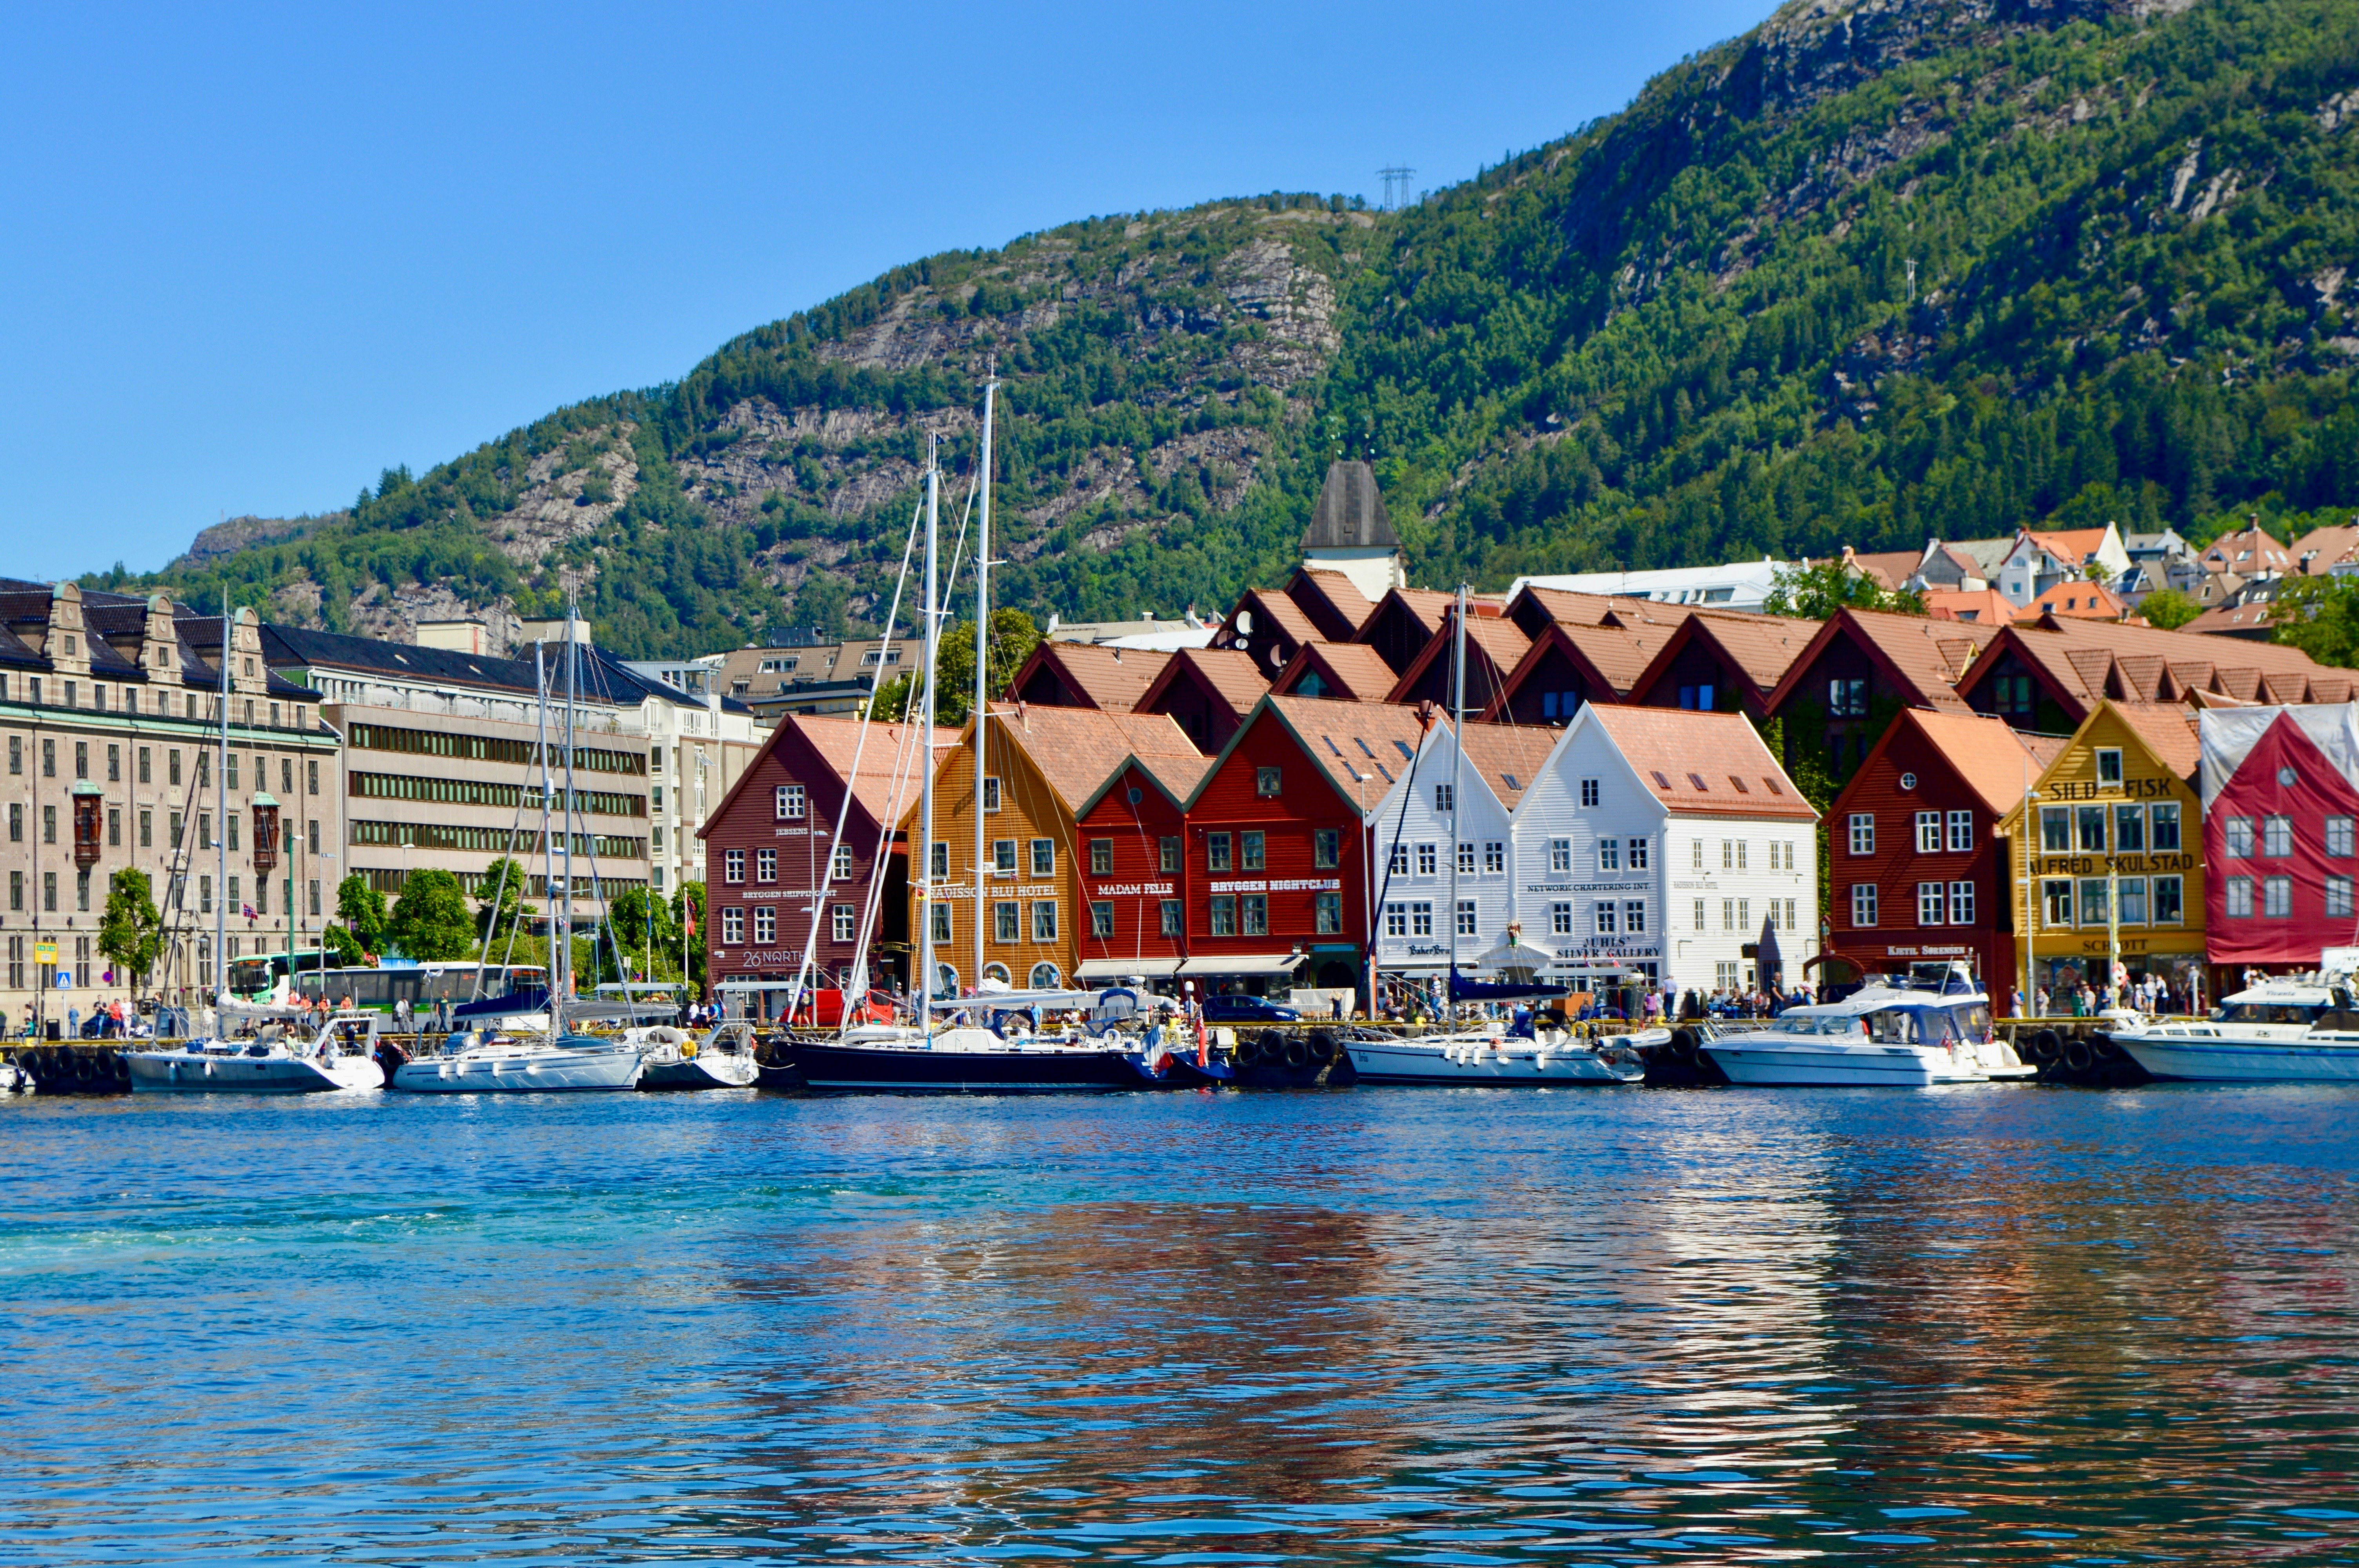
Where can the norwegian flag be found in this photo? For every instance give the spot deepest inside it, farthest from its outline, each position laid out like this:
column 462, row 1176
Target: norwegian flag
column 249, row 913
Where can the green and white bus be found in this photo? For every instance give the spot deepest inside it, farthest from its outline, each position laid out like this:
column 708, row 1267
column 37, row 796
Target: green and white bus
column 423, row 986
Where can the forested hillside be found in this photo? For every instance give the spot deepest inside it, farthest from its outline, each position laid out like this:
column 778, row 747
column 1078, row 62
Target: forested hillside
column 1685, row 333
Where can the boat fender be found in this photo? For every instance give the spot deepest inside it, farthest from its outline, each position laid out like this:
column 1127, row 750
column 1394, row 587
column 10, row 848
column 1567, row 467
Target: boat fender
column 2078, row 1056
column 2046, row 1046
column 1323, row 1047
column 1683, row 1045
column 1298, row 1053
column 2102, row 1048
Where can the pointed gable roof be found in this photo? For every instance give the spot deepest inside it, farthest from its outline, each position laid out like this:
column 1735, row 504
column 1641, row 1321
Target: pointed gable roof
column 2084, row 661
column 1509, row 757
column 1221, row 673
column 1987, row 756
column 885, row 787
column 1759, row 648
column 1350, row 514
column 1351, row 671
column 1077, row 748
column 1356, row 744
column 1700, row 763
column 1923, row 658
column 1493, row 648
column 1333, row 602
column 1534, row 607
column 1087, row 675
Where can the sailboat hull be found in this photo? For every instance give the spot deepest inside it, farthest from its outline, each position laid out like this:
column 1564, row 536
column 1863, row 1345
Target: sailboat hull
column 919, row 1069
column 192, row 1072
column 531, row 1073
column 1491, row 1062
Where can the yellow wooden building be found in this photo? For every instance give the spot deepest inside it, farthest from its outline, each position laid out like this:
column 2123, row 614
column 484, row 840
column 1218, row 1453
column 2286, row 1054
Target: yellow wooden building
column 2112, row 867
column 1039, row 765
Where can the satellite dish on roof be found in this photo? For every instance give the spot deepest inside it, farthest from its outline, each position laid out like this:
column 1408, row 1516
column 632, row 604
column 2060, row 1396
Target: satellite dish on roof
column 1245, row 622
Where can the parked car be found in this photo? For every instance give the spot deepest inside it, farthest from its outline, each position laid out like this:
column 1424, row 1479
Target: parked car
column 1248, row 1009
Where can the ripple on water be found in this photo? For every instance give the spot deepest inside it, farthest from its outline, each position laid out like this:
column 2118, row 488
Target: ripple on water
column 1382, row 1328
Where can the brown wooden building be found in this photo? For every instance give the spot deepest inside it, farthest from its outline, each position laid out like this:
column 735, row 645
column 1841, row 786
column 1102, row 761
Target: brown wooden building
column 1207, row 692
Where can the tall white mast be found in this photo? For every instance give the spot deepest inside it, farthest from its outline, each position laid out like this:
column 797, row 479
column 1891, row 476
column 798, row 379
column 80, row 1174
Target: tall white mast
column 547, row 849
column 565, row 820
column 220, row 802
column 982, row 661
column 923, row 851
column 1457, row 770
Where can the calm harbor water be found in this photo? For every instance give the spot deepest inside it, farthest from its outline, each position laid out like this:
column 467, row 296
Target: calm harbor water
column 1999, row 1325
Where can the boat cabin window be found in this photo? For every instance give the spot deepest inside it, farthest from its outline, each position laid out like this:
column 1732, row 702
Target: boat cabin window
column 1974, row 1023
column 1892, row 1027
column 2299, row 1013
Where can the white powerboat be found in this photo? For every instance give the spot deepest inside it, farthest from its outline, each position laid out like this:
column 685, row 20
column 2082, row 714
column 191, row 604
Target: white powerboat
column 531, row 1066
column 277, row 1061
column 1550, row 1056
column 675, row 1059
column 1882, row 1036
column 2288, row 1031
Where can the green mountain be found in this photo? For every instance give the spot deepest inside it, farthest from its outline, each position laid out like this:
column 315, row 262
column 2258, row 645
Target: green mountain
column 1877, row 271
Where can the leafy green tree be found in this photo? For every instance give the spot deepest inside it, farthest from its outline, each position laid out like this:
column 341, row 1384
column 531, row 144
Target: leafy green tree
column 430, row 920
column 2319, row 615
column 648, row 931
column 2169, row 609
column 508, row 889
column 688, row 903
column 360, row 910
column 344, row 948
column 131, row 932
column 1816, row 591
column 1014, row 635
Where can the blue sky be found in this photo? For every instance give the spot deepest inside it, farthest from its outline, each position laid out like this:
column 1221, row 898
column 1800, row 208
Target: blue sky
column 255, row 255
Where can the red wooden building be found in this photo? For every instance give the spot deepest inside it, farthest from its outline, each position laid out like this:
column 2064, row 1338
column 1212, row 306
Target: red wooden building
column 1348, row 672
column 2279, row 846
column 1086, row 674
column 1918, row 873
column 1276, row 855
column 1863, row 666
column 1723, row 660
column 1132, row 837
column 773, row 857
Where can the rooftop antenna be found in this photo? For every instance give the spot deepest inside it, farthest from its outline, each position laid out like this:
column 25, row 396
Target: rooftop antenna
column 1395, row 177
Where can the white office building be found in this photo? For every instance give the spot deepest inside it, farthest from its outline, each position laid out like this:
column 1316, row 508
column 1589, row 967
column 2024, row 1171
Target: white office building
column 1740, row 585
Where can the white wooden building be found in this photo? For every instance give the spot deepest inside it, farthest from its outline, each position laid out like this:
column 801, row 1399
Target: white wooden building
column 1654, row 846
column 1416, row 829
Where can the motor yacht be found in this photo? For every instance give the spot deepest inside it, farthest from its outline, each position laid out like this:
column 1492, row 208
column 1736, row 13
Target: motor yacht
column 1547, row 1057
column 278, row 1061
column 501, row 1065
column 2283, row 1031
column 1884, row 1035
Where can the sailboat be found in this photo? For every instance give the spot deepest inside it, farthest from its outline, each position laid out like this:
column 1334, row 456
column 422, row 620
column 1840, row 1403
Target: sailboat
column 1490, row 1054
column 968, row 1055
column 558, row 1060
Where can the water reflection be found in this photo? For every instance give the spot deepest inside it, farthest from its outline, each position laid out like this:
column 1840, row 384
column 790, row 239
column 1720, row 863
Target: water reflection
column 2018, row 1326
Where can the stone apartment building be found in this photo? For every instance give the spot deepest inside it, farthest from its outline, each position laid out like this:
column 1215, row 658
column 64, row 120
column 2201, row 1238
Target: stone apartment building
column 110, row 706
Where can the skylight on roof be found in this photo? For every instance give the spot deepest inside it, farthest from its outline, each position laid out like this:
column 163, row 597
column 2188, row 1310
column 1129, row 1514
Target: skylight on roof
column 1697, row 780
column 1403, row 748
column 1773, row 789
column 1513, row 783
column 1660, row 782
column 1739, row 784
column 1382, row 769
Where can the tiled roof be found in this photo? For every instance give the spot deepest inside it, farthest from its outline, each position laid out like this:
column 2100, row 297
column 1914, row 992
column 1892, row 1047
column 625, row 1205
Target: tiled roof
column 1499, row 644
column 1274, row 609
column 1350, row 607
column 1224, row 671
column 2083, row 658
column 1112, row 678
column 888, row 784
column 2246, row 551
column 2071, row 545
column 1924, row 657
column 1351, row 670
column 1364, row 746
column 1763, row 646
column 1509, row 757
column 2325, row 547
column 1982, row 606
column 1077, row 749
column 1711, row 763
column 1995, row 762
column 1889, row 568
column 1563, row 605
column 2081, row 600
column 2170, row 732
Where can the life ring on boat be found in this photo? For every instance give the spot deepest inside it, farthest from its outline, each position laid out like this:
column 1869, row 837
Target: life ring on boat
column 2078, row 1056
column 1298, row 1053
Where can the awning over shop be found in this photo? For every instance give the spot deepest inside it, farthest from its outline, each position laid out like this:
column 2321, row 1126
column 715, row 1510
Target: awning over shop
column 1123, row 968
column 1245, row 964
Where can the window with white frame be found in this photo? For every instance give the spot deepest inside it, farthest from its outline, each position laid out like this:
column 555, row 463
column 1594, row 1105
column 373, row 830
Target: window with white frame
column 1428, row 860
column 1863, row 903
column 1002, row 855
column 990, row 793
column 1961, row 831
column 2277, row 897
column 1863, row 833
column 1443, row 797
column 787, row 804
column 1638, row 854
column 1929, row 832
column 1789, row 916
column 2132, row 911
column 1399, row 864
column 1396, row 920
column 1588, row 793
column 1044, row 856
column 1561, row 920
column 1634, row 916
column 2129, row 829
column 1044, row 920
column 2163, row 818
column 1560, row 855
column 2056, row 903
column 1465, row 859
column 733, row 865
column 766, row 925
column 2109, row 766
column 766, row 865
column 1962, row 903
column 1929, row 903
column 1728, row 854
column 1494, row 857
column 843, row 921
column 1743, row 847
column 1609, row 854
column 1695, row 853
column 1466, row 917
column 733, row 928
column 1420, row 919
column 839, row 864
column 1605, row 918
column 1006, row 920
column 1728, row 915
